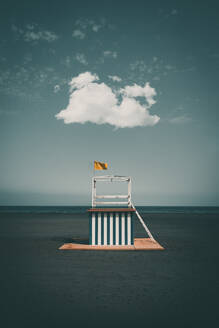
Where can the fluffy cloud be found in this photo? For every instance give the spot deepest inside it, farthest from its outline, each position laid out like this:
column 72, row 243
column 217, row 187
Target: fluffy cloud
column 56, row 88
column 115, row 78
column 84, row 26
column 33, row 33
column 95, row 102
column 78, row 34
column 82, row 80
column 81, row 59
column 137, row 91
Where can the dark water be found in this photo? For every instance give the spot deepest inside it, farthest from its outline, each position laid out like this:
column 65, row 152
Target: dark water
column 82, row 209
column 42, row 286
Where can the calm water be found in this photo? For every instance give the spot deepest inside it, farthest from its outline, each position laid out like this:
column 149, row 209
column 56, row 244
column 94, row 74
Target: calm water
column 42, row 286
column 82, row 209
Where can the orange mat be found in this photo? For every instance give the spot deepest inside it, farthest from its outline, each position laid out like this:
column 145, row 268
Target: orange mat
column 140, row 244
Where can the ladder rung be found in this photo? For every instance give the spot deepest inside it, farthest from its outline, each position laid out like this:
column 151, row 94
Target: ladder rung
column 112, row 196
column 112, row 203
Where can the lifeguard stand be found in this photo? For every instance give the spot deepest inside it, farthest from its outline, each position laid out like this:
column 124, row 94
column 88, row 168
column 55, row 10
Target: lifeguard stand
column 112, row 228
column 111, row 225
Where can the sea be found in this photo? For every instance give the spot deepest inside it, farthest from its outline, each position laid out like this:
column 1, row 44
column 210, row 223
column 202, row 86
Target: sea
column 42, row 286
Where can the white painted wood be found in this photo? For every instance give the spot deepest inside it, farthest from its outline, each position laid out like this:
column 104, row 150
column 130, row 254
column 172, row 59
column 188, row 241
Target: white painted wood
column 129, row 228
column 129, row 193
column 93, row 229
column 142, row 222
column 111, row 203
column 92, row 190
column 111, row 196
column 105, row 229
column 110, row 178
column 123, row 228
column 117, row 229
column 94, row 194
column 99, row 229
column 111, row 228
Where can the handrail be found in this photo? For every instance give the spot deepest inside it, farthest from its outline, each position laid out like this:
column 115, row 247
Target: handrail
column 111, row 196
column 142, row 222
column 110, row 178
column 111, row 203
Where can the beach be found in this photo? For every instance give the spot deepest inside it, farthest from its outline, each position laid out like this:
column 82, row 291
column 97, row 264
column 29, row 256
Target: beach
column 42, row 286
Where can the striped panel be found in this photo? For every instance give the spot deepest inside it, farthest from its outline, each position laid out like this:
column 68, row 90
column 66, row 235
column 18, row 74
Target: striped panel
column 114, row 229
column 111, row 229
column 117, row 229
column 132, row 231
column 99, row 229
column 129, row 229
column 93, row 241
column 122, row 229
column 105, row 229
column 96, row 230
column 102, row 229
column 126, row 230
column 108, row 229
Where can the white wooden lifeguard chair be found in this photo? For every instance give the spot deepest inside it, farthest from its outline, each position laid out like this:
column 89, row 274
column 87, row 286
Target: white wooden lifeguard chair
column 111, row 225
column 112, row 228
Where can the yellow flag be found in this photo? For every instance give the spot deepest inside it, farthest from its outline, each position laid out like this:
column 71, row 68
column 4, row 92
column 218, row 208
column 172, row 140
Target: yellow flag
column 100, row 166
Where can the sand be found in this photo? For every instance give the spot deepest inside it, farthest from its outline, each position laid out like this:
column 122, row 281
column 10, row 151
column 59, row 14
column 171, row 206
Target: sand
column 140, row 244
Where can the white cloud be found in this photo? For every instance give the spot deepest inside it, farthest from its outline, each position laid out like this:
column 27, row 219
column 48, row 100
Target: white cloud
column 138, row 65
column 33, row 33
column 82, row 80
column 110, row 54
column 27, row 81
column 78, row 34
column 137, row 91
column 81, row 59
column 94, row 102
column 40, row 35
column 115, row 78
column 89, row 24
column 56, row 88
column 96, row 27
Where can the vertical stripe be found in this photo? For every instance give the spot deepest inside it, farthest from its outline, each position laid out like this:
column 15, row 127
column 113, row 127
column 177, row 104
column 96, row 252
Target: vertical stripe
column 99, row 229
column 111, row 228
column 123, row 229
column 129, row 228
column 120, row 229
column 126, row 230
column 102, row 229
column 114, row 229
column 117, row 229
column 90, row 228
column 96, row 229
column 108, row 229
column 105, row 229
column 93, row 234
column 132, row 230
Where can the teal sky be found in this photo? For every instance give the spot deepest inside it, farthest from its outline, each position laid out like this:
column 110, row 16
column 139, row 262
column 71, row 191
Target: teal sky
column 172, row 45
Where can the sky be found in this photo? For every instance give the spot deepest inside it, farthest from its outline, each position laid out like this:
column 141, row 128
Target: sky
column 130, row 83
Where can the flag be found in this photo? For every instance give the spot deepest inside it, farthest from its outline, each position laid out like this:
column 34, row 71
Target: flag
column 100, row 166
